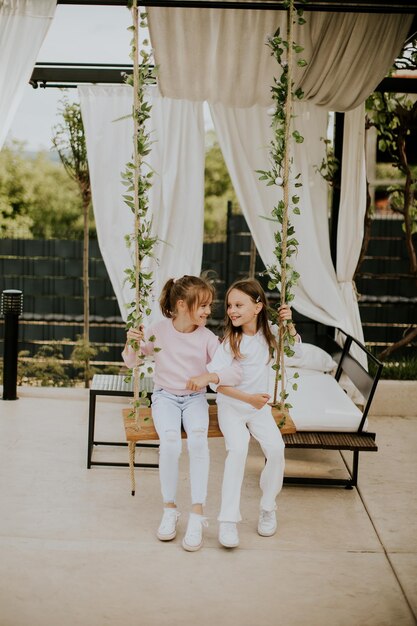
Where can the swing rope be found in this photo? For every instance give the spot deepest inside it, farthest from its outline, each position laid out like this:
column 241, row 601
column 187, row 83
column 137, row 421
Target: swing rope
column 286, row 194
column 137, row 163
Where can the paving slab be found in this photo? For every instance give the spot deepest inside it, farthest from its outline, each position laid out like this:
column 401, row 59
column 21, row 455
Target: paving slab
column 78, row 549
column 122, row 582
column 388, row 482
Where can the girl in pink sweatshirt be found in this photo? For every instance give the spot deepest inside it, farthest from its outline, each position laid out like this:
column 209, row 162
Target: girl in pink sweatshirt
column 185, row 347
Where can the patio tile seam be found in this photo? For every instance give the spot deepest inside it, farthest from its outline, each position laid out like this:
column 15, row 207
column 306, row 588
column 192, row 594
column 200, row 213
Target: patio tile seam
column 116, row 543
column 386, row 552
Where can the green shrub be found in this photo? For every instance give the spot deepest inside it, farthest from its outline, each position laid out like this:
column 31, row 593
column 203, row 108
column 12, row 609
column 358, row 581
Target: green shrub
column 46, row 369
column 405, row 369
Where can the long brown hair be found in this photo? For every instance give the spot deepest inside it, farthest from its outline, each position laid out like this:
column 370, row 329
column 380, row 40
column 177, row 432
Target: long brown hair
column 233, row 335
column 192, row 289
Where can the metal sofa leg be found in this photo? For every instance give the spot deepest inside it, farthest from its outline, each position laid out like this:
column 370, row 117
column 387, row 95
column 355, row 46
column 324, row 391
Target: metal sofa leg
column 355, row 468
column 91, row 423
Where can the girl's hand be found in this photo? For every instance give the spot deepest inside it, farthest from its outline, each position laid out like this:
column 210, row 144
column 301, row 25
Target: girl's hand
column 285, row 315
column 284, row 312
column 258, row 400
column 200, row 382
column 135, row 334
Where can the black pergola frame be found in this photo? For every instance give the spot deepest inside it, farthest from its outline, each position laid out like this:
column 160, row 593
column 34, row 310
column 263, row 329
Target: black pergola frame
column 67, row 75
column 70, row 75
column 345, row 6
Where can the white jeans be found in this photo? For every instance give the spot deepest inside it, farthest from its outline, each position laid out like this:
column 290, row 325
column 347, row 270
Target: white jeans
column 168, row 410
column 237, row 424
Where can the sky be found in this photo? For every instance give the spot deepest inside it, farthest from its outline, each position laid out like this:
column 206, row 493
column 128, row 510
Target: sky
column 77, row 34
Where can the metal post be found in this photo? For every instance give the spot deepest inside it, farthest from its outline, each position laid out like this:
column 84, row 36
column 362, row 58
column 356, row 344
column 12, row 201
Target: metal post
column 228, row 240
column 11, row 308
column 338, row 152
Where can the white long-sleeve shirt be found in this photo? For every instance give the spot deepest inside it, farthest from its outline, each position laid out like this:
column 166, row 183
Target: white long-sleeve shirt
column 257, row 373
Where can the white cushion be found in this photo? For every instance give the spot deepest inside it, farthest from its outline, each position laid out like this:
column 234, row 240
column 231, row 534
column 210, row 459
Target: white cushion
column 311, row 357
column 320, row 404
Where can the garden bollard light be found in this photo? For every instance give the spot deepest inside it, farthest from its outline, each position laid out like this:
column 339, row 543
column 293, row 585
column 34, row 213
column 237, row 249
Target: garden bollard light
column 11, row 308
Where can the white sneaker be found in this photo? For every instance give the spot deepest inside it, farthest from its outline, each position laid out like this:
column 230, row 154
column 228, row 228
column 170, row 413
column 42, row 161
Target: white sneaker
column 193, row 539
column 267, row 523
column 228, row 535
column 168, row 526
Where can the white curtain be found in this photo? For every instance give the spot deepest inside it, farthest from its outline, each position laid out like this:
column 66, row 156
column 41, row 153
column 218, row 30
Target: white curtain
column 321, row 294
column 213, row 54
column 351, row 215
column 23, row 26
column 348, row 55
column 222, row 56
column 177, row 196
column 244, row 137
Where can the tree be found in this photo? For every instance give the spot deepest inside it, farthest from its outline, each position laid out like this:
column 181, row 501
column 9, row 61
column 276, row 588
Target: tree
column 15, row 192
column 218, row 189
column 56, row 211
column 37, row 198
column 69, row 141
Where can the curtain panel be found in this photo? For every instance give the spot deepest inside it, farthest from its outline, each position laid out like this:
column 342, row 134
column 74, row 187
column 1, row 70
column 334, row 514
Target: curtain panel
column 222, row 56
column 244, row 136
column 350, row 226
column 23, row 27
column 176, row 200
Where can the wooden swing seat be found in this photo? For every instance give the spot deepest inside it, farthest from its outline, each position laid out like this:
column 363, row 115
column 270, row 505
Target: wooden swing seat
column 146, row 429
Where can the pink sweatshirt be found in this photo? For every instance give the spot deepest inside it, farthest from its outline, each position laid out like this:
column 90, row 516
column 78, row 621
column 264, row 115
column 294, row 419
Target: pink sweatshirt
column 181, row 356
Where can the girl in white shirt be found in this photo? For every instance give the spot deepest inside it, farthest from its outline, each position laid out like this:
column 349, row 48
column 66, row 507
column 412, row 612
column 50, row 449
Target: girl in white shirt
column 243, row 410
column 185, row 346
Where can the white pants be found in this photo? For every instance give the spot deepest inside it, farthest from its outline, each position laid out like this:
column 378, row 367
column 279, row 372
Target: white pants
column 237, row 424
column 168, row 411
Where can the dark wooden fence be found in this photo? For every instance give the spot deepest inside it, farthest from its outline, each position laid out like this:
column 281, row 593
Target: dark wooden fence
column 388, row 293
column 49, row 274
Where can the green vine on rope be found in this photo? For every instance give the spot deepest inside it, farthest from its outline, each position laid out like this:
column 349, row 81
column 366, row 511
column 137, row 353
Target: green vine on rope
column 137, row 178
column 282, row 275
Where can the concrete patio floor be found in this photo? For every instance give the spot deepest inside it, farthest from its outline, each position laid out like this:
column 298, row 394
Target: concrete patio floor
column 78, row 550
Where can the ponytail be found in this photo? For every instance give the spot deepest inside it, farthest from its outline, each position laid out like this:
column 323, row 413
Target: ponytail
column 165, row 298
column 192, row 289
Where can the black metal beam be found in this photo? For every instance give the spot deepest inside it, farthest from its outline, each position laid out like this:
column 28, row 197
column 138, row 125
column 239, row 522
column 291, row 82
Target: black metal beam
column 72, row 74
column 346, row 6
column 67, row 74
column 104, row 3
column 401, row 84
column 338, row 152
